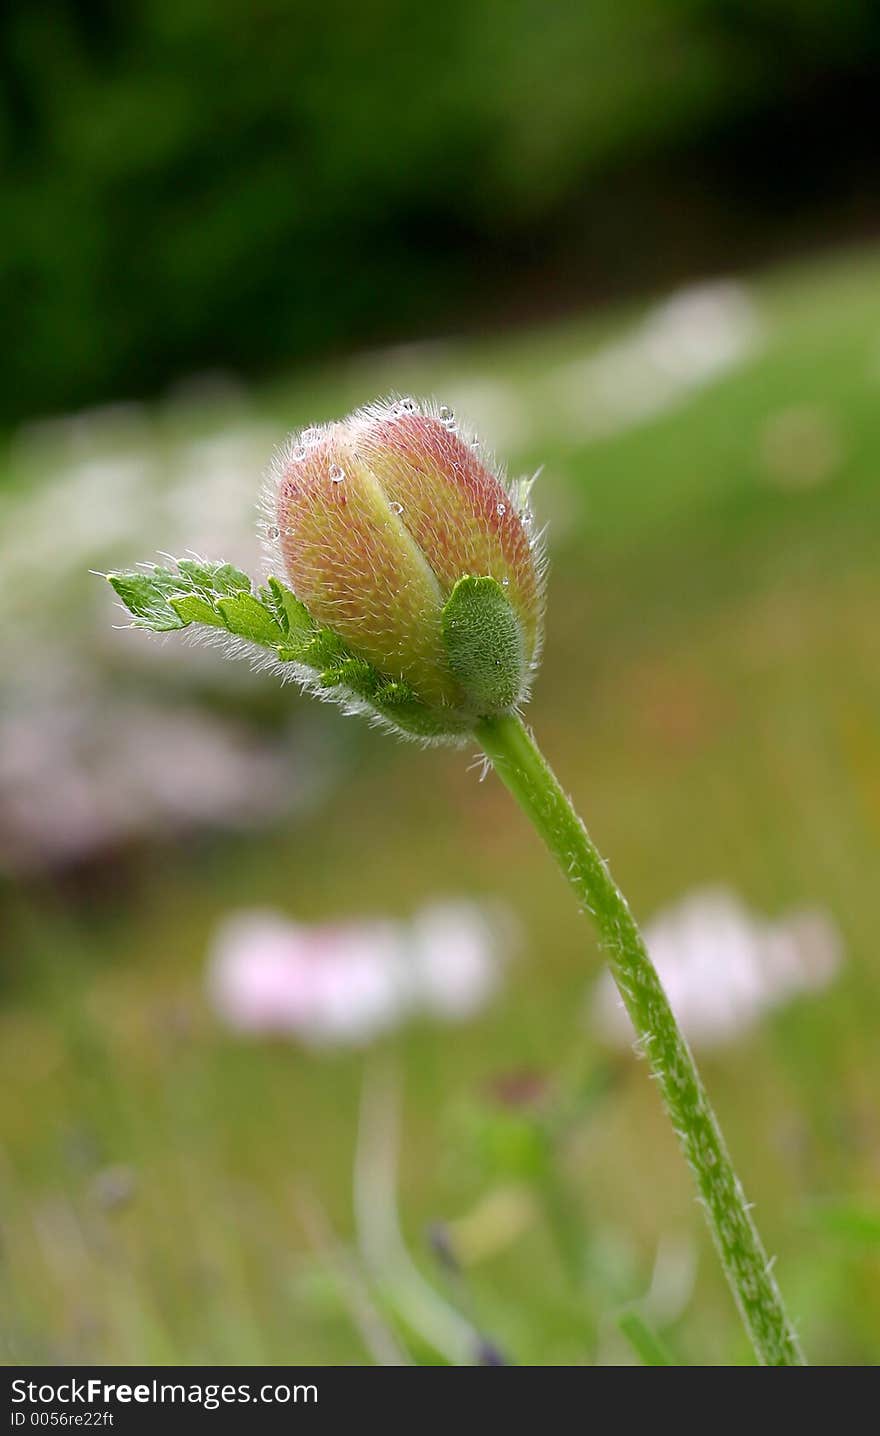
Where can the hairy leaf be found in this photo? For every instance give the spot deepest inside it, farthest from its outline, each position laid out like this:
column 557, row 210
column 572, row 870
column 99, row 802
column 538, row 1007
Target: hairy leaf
column 247, row 617
column 145, row 595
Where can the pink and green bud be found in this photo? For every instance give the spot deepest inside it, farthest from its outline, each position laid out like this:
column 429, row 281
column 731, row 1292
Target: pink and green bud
column 405, row 579
column 398, row 538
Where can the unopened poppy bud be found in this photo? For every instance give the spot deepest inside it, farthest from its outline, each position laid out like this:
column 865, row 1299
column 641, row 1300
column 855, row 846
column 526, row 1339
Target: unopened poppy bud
column 398, row 537
column 405, row 582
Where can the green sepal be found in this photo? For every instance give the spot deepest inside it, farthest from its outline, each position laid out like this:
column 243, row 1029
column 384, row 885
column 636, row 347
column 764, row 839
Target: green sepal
column 396, row 702
column 337, row 668
column 484, row 643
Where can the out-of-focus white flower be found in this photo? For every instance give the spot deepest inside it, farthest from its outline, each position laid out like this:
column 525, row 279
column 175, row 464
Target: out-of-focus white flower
column 495, row 407
column 723, row 968
column 87, row 760
column 682, row 344
column 78, row 774
column 454, row 969
column 344, row 984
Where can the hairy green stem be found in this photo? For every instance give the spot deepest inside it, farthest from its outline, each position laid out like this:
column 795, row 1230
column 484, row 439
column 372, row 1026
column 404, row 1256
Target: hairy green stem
column 521, row 767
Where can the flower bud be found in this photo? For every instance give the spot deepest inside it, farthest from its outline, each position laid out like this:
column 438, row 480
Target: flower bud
column 375, row 522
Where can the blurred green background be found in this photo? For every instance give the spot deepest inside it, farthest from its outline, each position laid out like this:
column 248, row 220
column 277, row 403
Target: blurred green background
column 632, row 243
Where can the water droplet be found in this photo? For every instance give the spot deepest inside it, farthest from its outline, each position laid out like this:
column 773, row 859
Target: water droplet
column 475, row 443
column 397, row 508
column 289, row 532
column 408, row 406
column 273, row 531
column 337, row 475
column 505, row 583
column 299, row 453
column 501, row 510
column 446, row 416
column 311, row 436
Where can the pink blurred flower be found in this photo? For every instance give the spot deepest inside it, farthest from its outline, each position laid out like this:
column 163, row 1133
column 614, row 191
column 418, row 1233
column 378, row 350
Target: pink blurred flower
column 348, row 983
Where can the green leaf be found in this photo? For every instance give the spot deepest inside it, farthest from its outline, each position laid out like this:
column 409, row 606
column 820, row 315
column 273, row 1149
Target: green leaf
column 220, row 596
column 248, row 618
column 193, row 608
column 292, row 615
column 854, row 1222
column 145, row 597
column 508, row 1142
column 645, row 1343
column 162, row 599
column 485, row 644
column 214, row 577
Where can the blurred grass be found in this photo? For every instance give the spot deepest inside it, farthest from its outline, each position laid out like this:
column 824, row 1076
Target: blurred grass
column 710, row 695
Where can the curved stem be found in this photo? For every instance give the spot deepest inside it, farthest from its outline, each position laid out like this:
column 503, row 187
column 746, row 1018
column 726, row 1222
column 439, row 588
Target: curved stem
column 520, row 765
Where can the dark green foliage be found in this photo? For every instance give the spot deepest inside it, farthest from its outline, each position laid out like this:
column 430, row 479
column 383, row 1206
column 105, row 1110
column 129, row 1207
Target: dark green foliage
column 193, row 184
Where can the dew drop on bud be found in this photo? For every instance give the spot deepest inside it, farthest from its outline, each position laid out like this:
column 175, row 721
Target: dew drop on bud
column 337, row 475
column 397, row 508
column 273, row 531
column 501, row 510
column 408, row 406
column 299, row 453
column 311, row 436
column 446, row 416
